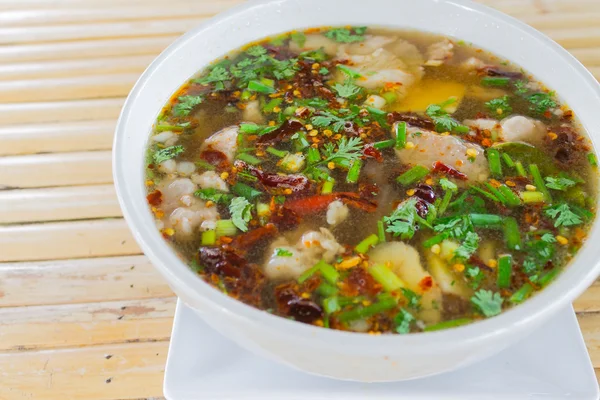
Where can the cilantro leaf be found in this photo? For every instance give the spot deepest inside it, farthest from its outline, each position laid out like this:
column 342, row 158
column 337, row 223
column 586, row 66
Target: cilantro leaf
column 241, row 212
column 344, row 35
column 328, row 118
column 324, row 71
column 475, row 276
column 448, row 185
column 299, row 38
column 520, row 87
column 217, row 75
column 468, row 246
column 347, row 90
column 167, row 153
column 256, row 51
column 348, row 149
column 403, row 320
column 186, row 105
column 402, row 221
column 562, row 215
column 541, row 102
column 487, row 302
column 559, row 183
column 455, row 227
column 499, row 107
column 413, row 299
column 443, row 121
column 548, row 238
column 214, row 195
column 279, row 252
column 316, row 55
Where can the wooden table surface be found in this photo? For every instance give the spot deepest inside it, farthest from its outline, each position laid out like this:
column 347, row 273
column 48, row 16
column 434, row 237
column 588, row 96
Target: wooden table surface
column 83, row 314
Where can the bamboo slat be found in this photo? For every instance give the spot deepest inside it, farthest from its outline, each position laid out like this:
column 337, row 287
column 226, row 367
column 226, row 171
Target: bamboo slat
column 58, row 204
column 118, row 371
column 64, row 240
column 56, row 137
column 60, row 111
column 80, row 280
column 38, row 328
column 56, row 169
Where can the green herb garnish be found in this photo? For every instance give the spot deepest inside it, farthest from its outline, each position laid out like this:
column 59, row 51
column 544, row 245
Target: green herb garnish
column 167, row 153
column 487, row 302
column 241, row 212
column 186, row 105
column 344, row 35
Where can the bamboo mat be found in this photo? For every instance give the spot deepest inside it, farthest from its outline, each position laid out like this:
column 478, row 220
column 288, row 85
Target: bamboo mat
column 83, row 315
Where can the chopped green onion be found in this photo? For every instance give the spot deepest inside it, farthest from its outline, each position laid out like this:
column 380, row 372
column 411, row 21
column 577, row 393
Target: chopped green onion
column 209, row 238
column 520, row 295
column 354, row 171
column 329, row 272
column 300, row 141
column 494, row 161
column 272, row 104
column 276, row 153
column 267, row 82
column 327, row 290
column 447, row 324
column 495, row 81
column 504, row 271
column 445, row 202
column 384, row 144
column 508, row 161
column 461, row 129
column 486, row 194
column 249, row 128
column 400, row 135
column 366, row 244
column 386, row 277
column 548, row 277
column 532, row 197
column 496, row 193
column 241, row 189
column 381, row 231
column 260, row 87
column 511, row 198
column 204, row 165
column 167, row 127
column 520, row 169
column 289, row 111
column 246, row 95
column 327, row 187
column 331, row 305
column 437, row 239
column 225, row 227
column 390, row 97
column 539, row 182
column 313, row 156
column 512, row 235
column 486, row 220
column 368, row 311
column 592, row 159
column 309, row 273
column 413, row 175
column 249, row 158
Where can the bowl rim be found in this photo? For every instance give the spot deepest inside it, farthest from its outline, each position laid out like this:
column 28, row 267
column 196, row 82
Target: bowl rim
column 537, row 308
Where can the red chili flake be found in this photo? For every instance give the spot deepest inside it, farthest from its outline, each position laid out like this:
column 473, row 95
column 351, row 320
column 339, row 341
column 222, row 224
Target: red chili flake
column 154, row 198
column 253, row 237
column 372, row 152
column 214, row 157
column 426, row 283
column 446, row 169
column 297, row 183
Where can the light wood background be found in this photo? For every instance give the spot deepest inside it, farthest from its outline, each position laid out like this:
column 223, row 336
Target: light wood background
column 83, row 315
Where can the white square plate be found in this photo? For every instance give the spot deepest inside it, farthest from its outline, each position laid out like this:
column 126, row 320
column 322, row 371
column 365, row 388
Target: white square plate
column 553, row 363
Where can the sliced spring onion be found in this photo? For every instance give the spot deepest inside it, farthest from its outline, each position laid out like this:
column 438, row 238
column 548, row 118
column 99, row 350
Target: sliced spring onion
column 329, row 272
column 209, row 238
column 386, row 277
column 461, row 129
column 445, row 202
column 448, row 324
column 495, row 81
column 390, row 97
column 486, row 220
column 366, row 244
column 384, row 144
column 496, row 193
column 520, row 169
column 309, row 273
column 263, row 209
column 249, row 158
column 539, row 182
column 327, row 187
column 246, row 94
column 520, row 295
column 272, row 104
column 331, row 305
column 592, row 159
column 204, row 165
column 225, row 227
column 548, row 277
column 413, row 175
column 249, row 128
column 437, row 239
column 504, row 271
column 313, row 156
column 260, row 87
column 300, row 141
column 241, row 189
column 511, row 198
column 400, row 135
column 354, row 171
column 348, row 71
column 380, row 231
column 512, row 235
column 276, row 153
column 493, row 156
column 485, row 194
column 532, row 197
column 508, row 161
column 368, row 311
column 167, row 127
column 327, row 290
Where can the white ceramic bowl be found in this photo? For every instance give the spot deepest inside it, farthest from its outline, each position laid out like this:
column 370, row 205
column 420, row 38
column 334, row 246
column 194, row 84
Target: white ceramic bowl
column 332, row 353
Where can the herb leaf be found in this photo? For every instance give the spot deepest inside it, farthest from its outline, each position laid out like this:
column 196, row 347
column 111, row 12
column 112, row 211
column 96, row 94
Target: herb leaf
column 561, row 184
column 212, row 194
column 216, row 75
column 403, row 320
column 186, row 105
column 442, row 119
column 348, row 149
column 256, row 51
column 468, row 246
column 167, row 153
column 562, row 215
column 499, row 107
column 344, row 35
column 488, row 302
column 541, row 102
column 448, row 185
column 412, row 298
column 279, row 252
column 347, row 90
column 241, row 213
column 402, row 221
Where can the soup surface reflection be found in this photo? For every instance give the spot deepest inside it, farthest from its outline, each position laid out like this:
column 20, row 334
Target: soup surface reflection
column 371, row 180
